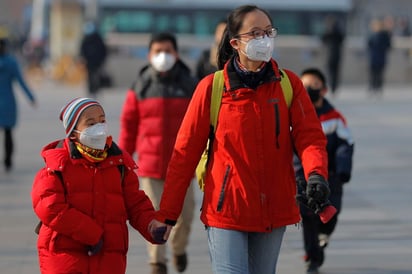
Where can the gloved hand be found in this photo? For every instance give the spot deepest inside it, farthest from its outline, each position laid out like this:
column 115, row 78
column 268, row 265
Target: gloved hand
column 317, row 190
column 323, row 208
column 158, row 234
column 94, row 249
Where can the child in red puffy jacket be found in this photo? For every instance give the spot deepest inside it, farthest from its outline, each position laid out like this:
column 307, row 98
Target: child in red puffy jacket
column 85, row 195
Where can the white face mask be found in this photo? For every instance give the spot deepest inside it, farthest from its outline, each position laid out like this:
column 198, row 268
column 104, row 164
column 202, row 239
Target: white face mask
column 94, row 136
column 259, row 49
column 163, row 61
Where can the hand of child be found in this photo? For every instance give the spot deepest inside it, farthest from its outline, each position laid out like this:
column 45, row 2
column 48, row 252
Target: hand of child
column 94, row 249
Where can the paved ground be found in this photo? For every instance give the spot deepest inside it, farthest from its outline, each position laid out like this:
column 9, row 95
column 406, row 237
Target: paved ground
column 375, row 230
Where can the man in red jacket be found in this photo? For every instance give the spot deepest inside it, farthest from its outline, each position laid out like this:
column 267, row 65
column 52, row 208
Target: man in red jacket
column 151, row 116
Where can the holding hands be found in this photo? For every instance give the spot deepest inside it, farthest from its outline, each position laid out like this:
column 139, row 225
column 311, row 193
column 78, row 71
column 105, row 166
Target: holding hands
column 159, row 231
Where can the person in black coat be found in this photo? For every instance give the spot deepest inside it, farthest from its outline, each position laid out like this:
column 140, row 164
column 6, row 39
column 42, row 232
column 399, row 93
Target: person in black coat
column 207, row 62
column 333, row 38
column 93, row 50
column 379, row 44
column 340, row 147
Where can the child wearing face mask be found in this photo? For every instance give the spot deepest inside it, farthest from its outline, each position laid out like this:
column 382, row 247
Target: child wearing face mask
column 85, row 195
column 340, row 147
column 250, row 187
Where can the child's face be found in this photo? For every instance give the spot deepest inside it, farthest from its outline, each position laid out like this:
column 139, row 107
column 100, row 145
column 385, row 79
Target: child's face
column 90, row 116
column 313, row 83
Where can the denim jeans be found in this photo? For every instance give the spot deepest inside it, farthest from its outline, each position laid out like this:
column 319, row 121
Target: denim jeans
column 238, row 252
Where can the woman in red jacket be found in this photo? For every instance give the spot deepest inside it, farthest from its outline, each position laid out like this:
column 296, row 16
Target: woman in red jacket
column 250, row 188
column 84, row 196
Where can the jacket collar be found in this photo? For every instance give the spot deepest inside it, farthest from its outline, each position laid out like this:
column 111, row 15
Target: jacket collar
column 235, row 82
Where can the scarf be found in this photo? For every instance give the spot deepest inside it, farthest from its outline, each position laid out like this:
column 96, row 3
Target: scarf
column 94, row 155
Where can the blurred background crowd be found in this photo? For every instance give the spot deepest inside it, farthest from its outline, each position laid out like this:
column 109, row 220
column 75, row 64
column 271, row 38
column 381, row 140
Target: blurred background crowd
column 46, row 35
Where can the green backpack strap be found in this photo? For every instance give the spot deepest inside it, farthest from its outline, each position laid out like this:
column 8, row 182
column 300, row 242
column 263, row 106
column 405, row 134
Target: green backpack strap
column 216, row 99
column 286, row 87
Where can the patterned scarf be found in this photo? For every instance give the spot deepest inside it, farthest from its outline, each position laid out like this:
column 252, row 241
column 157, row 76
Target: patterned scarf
column 94, row 155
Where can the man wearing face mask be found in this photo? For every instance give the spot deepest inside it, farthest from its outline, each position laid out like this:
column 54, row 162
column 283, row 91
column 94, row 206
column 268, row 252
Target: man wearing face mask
column 152, row 113
column 340, row 151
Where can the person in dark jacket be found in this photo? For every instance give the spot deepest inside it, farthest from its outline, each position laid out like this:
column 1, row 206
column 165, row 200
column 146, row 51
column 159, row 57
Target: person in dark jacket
column 379, row 44
column 84, row 196
column 340, row 146
column 150, row 118
column 207, row 62
column 333, row 38
column 9, row 73
column 250, row 187
column 93, row 50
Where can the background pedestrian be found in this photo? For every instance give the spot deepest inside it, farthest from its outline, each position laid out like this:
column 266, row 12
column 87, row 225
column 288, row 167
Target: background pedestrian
column 151, row 116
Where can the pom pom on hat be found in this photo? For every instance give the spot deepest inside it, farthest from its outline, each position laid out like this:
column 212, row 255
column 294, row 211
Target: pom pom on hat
column 70, row 113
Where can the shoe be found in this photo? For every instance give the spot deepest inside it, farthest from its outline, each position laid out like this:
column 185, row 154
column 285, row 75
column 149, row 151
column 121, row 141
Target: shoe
column 180, row 262
column 323, row 240
column 158, row 268
column 313, row 268
column 321, row 257
column 7, row 165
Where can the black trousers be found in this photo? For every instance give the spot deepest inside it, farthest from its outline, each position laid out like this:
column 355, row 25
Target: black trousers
column 376, row 78
column 312, row 225
column 93, row 81
column 8, row 147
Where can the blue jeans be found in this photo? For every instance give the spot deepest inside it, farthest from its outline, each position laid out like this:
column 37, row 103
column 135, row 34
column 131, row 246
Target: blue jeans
column 238, row 252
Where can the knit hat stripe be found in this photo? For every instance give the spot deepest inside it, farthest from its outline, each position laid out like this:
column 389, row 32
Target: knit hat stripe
column 71, row 113
column 75, row 115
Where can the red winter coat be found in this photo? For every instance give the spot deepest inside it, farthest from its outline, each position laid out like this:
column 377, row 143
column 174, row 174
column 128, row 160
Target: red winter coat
column 151, row 116
column 250, row 183
column 97, row 204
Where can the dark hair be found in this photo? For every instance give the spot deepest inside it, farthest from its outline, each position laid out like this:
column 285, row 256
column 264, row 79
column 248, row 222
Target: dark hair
column 163, row 37
column 315, row 72
column 234, row 23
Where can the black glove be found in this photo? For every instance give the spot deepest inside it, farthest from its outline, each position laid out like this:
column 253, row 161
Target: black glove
column 94, row 249
column 317, row 192
column 316, row 207
column 158, row 234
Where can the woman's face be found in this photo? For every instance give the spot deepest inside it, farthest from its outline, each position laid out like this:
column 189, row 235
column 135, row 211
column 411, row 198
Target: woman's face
column 255, row 20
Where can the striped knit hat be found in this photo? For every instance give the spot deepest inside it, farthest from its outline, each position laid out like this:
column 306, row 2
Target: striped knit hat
column 70, row 114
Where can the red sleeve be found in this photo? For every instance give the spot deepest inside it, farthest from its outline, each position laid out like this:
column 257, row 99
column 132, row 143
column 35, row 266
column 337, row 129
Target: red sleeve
column 50, row 206
column 129, row 123
column 139, row 207
column 190, row 142
column 307, row 134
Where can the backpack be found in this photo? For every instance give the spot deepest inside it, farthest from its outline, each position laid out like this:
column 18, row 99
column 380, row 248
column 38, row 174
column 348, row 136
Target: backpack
column 217, row 91
column 59, row 174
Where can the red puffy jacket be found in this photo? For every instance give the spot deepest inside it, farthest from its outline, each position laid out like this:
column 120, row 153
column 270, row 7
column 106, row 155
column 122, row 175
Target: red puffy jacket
column 91, row 203
column 151, row 116
column 250, row 183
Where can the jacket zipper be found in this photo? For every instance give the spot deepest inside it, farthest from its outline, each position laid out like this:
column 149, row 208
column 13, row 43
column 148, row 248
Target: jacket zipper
column 222, row 190
column 277, row 126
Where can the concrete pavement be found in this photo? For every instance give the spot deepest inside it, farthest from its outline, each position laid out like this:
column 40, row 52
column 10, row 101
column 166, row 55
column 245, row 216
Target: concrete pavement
column 374, row 234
